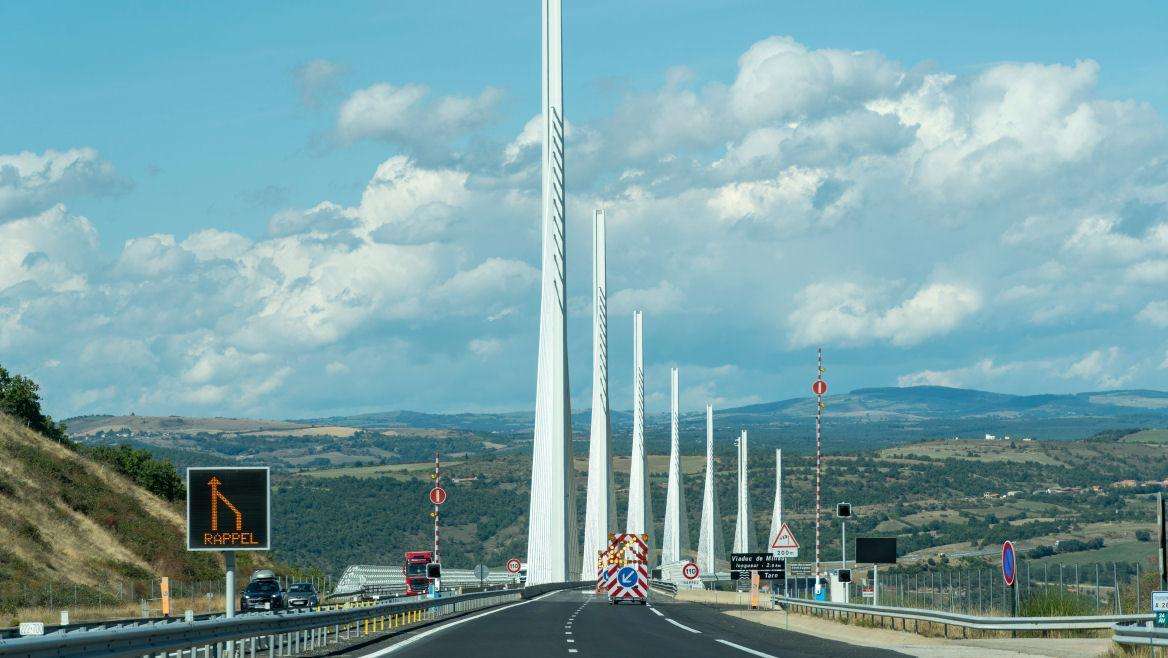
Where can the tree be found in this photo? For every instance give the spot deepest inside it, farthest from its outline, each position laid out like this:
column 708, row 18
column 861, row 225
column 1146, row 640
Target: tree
column 20, row 398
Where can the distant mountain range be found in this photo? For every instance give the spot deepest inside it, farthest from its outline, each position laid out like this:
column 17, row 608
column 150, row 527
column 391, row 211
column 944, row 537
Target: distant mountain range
column 937, row 406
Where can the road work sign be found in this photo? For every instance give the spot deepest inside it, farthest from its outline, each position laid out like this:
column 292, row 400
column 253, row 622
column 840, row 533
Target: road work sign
column 229, row 508
column 783, row 544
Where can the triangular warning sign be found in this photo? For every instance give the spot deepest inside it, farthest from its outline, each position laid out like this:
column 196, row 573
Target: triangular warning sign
column 785, row 538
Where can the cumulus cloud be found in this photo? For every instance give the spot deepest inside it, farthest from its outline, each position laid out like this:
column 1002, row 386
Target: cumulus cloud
column 810, row 196
column 31, row 182
column 844, row 312
column 409, row 115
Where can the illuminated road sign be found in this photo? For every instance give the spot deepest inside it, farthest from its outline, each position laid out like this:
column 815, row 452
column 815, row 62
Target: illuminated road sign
column 228, row 509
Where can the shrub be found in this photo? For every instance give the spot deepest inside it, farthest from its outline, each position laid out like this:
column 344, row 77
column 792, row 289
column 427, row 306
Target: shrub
column 1054, row 602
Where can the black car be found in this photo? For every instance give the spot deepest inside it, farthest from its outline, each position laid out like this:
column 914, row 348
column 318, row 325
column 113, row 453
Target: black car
column 303, row 595
column 262, row 595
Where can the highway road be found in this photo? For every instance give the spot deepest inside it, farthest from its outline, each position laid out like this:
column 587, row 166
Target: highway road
column 575, row 623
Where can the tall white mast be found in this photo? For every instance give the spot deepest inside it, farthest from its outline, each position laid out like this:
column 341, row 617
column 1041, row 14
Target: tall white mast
column 675, row 543
column 777, row 510
column 600, row 513
column 710, row 546
column 552, row 548
column 743, row 527
column 640, row 518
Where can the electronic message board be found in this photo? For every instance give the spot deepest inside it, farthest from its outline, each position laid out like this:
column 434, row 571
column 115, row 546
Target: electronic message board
column 876, row 550
column 229, row 508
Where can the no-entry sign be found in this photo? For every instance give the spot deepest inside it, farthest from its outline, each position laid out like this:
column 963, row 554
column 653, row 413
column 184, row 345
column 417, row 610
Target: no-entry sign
column 228, row 509
column 514, row 565
column 437, row 495
column 690, row 571
column 819, row 387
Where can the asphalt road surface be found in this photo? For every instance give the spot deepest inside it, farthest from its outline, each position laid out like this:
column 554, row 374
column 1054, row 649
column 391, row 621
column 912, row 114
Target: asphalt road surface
column 575, row 623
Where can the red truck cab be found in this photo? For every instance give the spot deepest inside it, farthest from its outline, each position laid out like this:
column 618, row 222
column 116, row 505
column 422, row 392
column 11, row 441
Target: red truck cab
column 415, row 572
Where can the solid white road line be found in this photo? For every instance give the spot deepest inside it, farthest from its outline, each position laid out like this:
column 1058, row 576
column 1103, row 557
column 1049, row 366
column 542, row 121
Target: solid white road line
column 405, row 643
column 682, row 626
column 746, row 649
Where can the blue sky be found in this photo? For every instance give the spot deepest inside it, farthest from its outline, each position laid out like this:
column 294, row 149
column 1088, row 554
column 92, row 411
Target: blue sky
column 936, row 192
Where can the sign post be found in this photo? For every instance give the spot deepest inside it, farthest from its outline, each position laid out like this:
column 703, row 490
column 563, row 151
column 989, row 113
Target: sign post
column 481, row 572
column 229, row 509
column 1162, row 554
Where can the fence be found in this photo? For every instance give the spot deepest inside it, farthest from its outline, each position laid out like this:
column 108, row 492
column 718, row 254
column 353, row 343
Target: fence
column 143, row 595
column 1044, row 588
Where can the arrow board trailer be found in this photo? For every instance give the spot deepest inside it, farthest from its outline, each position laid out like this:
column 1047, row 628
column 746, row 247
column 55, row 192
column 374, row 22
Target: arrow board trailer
column 624, row 572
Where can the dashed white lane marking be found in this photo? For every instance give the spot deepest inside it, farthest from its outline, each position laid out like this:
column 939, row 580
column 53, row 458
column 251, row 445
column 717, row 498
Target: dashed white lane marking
column 571, row 651
column 746, row 649
column 456, row 622
column 570, row 640
column 682, row 626
column 656, row 612
column 567, row 632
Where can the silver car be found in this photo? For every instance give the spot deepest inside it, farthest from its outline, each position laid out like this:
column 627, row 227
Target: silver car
column 302, row 595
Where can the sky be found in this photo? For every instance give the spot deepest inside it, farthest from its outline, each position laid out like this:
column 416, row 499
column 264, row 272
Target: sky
column 300, row 209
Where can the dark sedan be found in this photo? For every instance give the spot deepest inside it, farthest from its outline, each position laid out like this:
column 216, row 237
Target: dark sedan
column 262, row 595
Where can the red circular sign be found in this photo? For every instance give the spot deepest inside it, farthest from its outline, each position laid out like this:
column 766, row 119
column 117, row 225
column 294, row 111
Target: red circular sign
column 437, row 495
column 819, row 387
column 1009, row 563
column 514, row 565
column 690, row 571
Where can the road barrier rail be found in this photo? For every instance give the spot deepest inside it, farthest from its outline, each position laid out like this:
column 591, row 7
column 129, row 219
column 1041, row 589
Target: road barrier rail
column 1139, row 634
column 280, row 633
column 664, row 586
column 965, row 622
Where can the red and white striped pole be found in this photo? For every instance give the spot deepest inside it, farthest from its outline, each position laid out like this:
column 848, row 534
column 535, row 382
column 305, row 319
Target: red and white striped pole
column 437, row 484
column 819, row 388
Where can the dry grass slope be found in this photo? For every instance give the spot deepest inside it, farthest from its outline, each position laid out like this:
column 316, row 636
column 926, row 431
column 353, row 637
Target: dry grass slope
column 64, row 518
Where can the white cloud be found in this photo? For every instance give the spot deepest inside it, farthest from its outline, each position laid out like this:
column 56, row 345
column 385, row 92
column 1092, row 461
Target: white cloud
column 659, row 300
column 409, row 116
column 843, row 313
column 1155, row 313
column 811, row 196
column 54, row 250
column 984, row 373
column 31, row 182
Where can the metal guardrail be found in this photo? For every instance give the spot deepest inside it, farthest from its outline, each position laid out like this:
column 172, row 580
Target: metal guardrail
column 9, row 633
column 287, row 632
column 964, row 621
column 1139, row 635
column 664, row 586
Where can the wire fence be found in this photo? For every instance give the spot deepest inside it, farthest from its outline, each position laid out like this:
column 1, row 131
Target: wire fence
column 1044, row 589
column 139, row 597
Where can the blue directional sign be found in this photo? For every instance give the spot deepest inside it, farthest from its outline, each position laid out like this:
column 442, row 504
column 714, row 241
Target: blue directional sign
column 627, row 577
column 1009, row 564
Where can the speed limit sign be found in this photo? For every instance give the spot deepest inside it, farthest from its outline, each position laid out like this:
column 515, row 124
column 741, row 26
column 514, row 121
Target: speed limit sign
column 690, row 571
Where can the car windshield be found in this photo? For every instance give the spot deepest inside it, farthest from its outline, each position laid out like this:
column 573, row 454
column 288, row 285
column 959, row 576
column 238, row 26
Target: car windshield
column 415, row 570
column 262, row 587
column 300, row 587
